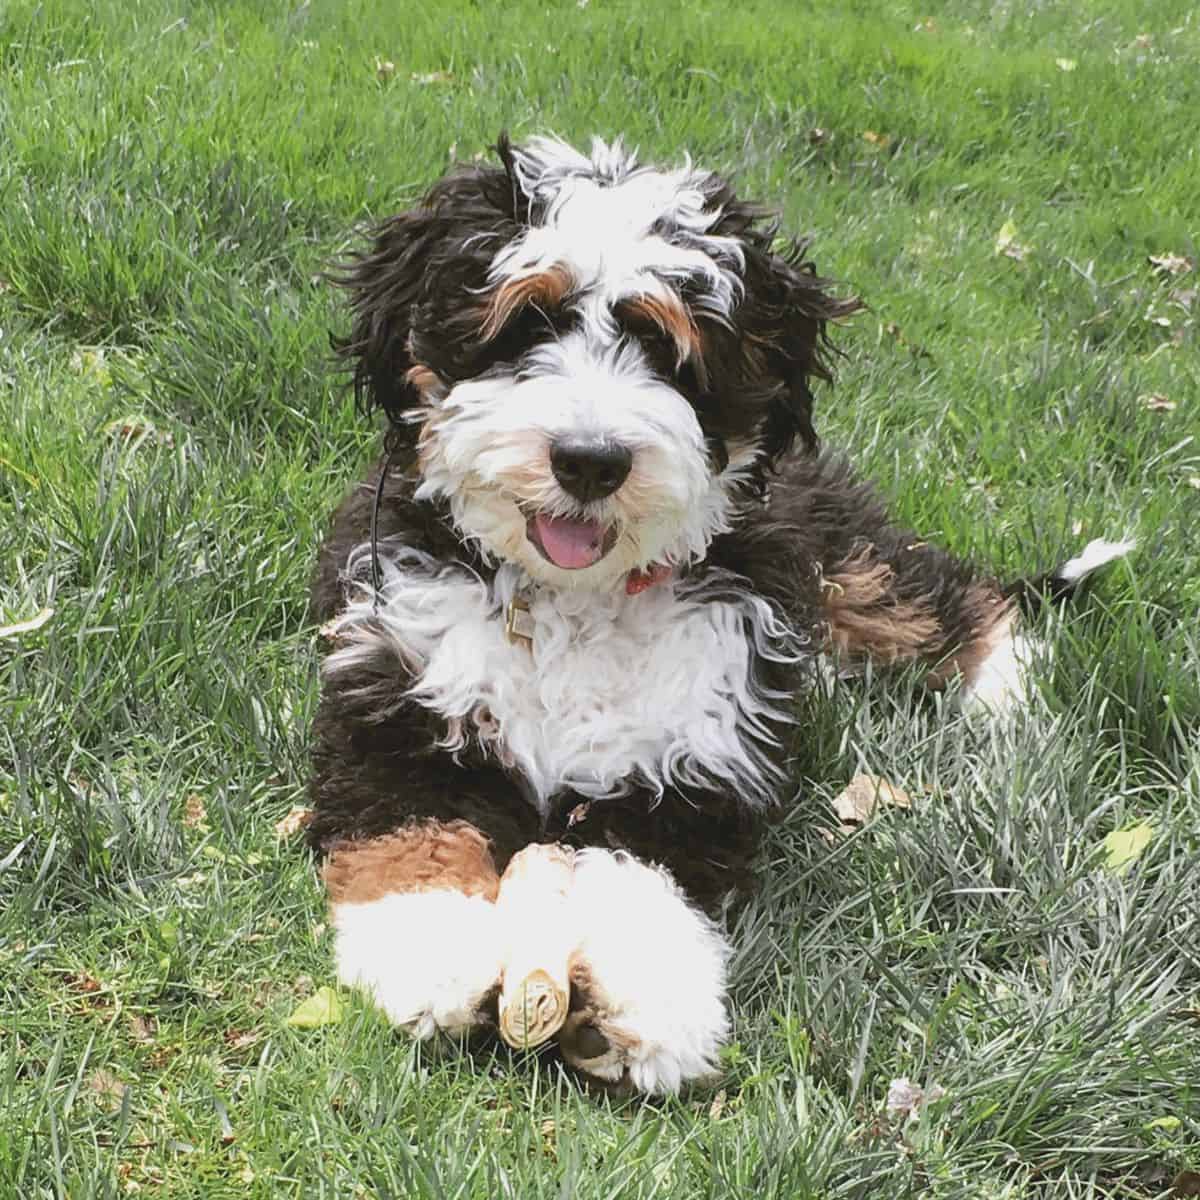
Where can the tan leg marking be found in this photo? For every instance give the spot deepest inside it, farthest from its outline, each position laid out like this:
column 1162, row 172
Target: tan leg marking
column 424, row 856
column 864, row 619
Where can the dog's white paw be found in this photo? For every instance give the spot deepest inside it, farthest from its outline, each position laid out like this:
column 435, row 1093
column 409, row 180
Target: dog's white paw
column 647, row 978
column 428, row 959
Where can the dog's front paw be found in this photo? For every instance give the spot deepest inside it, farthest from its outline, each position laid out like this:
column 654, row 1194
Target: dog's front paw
column 429, row 960
column 647, row 978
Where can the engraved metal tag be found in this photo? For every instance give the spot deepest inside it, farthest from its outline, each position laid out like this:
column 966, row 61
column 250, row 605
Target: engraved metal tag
column 518, row 623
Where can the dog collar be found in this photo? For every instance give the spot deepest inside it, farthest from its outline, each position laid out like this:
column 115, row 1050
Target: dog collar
column 518, row 620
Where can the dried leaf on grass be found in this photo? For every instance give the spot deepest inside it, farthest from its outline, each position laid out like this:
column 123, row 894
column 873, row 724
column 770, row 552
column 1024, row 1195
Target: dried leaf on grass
column 857, row 802
column 323, row 1007
column 194, row 812
column 135, row 429
column 1123, row 847
column 1171, row 264
column 905, row 1098
column 1156, row 402
column 880, row 141
column 107, row 1088
column 1007, row 244
column 296, row 819
column 1186, row 1183
column 143, row 1029
column 1168, row 1124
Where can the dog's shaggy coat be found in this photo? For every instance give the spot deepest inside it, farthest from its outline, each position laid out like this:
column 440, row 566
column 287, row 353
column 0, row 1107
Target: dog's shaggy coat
column 573, row 604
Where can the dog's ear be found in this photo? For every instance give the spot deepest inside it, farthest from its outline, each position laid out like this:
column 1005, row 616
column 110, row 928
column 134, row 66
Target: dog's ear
column 385, row 283
column 786, row 311
column 414, row 291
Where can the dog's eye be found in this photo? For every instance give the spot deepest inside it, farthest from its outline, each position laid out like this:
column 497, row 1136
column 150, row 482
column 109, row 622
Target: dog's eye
column 661, row 347
column 528, row 328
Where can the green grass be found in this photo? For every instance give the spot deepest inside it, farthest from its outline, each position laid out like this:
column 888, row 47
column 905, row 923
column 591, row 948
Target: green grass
column 173, row 179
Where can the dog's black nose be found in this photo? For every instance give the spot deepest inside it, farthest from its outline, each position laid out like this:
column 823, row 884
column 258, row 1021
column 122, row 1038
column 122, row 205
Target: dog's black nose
column 590, row 470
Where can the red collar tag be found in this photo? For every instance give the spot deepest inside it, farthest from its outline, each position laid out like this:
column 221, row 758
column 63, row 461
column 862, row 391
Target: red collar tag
column 638, row 580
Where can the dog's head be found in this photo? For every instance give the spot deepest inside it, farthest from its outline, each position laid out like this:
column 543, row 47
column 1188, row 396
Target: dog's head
column 594, row 362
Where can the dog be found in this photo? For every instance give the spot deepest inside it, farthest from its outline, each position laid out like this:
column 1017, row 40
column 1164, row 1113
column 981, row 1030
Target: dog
column 569, row 609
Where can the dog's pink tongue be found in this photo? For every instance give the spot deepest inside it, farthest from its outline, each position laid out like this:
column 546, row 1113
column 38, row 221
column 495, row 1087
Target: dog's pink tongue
column 570, row 544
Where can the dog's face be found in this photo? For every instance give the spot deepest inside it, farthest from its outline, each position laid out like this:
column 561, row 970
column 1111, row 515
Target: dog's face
column 595, row 362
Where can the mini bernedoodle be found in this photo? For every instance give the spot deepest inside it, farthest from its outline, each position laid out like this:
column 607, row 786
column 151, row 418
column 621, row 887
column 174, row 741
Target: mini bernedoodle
column 568, row 610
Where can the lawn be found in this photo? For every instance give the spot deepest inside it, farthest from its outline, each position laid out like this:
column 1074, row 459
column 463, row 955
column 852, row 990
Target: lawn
column 1015, row 191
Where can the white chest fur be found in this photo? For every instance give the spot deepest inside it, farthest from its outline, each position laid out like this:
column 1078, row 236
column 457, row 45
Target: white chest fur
column 654, row 689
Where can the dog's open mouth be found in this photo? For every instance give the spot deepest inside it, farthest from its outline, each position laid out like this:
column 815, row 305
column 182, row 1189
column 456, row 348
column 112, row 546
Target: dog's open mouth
column 570, row 542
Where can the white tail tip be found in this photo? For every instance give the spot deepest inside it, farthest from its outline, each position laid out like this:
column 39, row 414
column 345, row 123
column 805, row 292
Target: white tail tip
column 1096, row 554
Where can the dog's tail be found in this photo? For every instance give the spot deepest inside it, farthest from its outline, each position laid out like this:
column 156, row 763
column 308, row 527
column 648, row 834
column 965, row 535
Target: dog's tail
column 1062, row 584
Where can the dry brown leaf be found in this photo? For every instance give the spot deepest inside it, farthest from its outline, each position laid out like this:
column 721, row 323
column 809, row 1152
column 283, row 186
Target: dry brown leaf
column 144, row 1029
column 717, row 1107
column 107, row 1088
column 1156, row 402
column 1171, row 264
column 160, row 1056
column 857, row 803
column 239, row 1039
column 904, row 1098
column 84, row 981
column 138, row 429
column 295, row 820
column 1186, row 1183
column 194, row 812
column 879, row 140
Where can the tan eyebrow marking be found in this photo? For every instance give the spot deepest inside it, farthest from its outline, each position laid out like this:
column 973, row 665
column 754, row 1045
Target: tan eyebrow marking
column 671, row 315
column 547, row 287
column 423, row 378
